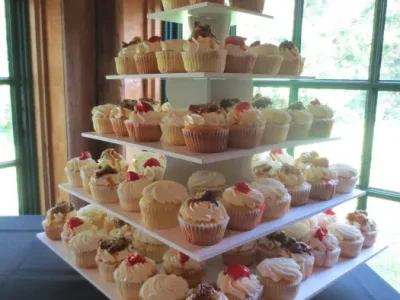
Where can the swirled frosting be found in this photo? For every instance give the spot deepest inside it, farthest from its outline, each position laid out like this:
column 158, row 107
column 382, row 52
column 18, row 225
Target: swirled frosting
column 165, row 191
column 147, row 47
column 280, row 268
column 291, row 175
column 276, row 116
column 344, row 232
column 241, row 288
column 103, row 111
column 344, row 171
column 87, row 240
column 266, row 169
column 201, row 44
column 300, row 116
column 174, row 259
column 92, row 212
column 69, row 231
column 252, row 199
column 319, row 174
column 164, row 287
column 75, row 164
column 173, row 45
column 207, row 119
column 133, row 188
column 265, row 49
column 121, row 113
column 206, row 179
column 202, row 211
column 328, row 242
column 151, row 117
column 272, row 190
column 155, row 173
column 247, row 118
column 175, row 118
column 325, row 219
column 88, row 170
column 137, row 273
column 320, row 111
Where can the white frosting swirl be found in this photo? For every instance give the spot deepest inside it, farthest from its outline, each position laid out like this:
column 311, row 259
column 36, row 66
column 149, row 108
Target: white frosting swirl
column 235, row 50
column 320, row 111
column 175, row 118
column 87, row 240
column 252, row 199
column 319, row 174
column 75, row 164
column 276, row 116
column 328, row 243
column 208, row 119
column 201, row 44
column 88, row 170
column 172, row 258
column 69, row 232
column 247, row 118
column 324, row 219
column 206, row 179
column 147, row 47
column 272, row 190
column 173, row 45
column 164, row 287
column 345, row 232
column 102, row 111
column 154, row 173
column 151, row 118
column 133, row 188
column 280, row 268
column 291, row 179
column 204, row 211
column 91, row 212
column 165, row 192
column 138, row 273
column 240, row 288
column 120, row 113
column 265, row 49
column 344, row 171
column 300, row 116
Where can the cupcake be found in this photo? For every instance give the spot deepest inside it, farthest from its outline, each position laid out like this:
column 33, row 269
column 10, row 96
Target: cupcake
column 245, row 206
column 160, row 204
column 238, row 58
column 277, row 199
column 203, row 219
column 148, row 246
column 84, row 247
column 74, row 226
column 145, row 57
column 347, row 178
column 292, row 63
column 243, row 255
column 169, row 60
column 205, row 129
column 327, row 217
column 300, row 229
column 143, row 158
column 350, row 239
column 205, row 291
column 119, row 115
column 122, row 229
column 253, row 5
column 301, row 122
column 110, row 255
column 325, row 247
column 323, row 180
column 101, row 118
column 94, row 214
column 56, row 217
column 162, row 287
column 269, row 59
column 271, row 246
column 114, row 159
column 130, row 191
column 246, row 126
column 171, row 4
column 104, row 184
column 280, row 278
column 182, row 265
column 276, row 127
column 267, row 169
column 203, row 181
column 153, row 169
column 132, row 273
column 282, row 157
column 228, row 104
column 322, row 119
column 87, row 173
column 368, row 227
column 294, row 181
column 237, row 283
column 306, row 159
column 73, row 167
column 125, row 62
column 171, row 128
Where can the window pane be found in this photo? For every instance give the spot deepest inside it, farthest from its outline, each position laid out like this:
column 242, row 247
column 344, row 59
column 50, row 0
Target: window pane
column 390, row 69
column 280, row 96
column 3, row 42
column 7, row 148
column 386, row 141
column 349, row 125
column 8, row 184
column 336, row 39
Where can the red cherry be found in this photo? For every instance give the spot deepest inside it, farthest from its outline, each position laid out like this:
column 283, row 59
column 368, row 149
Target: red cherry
column 242, row 187
column 315, row 102
column 236, row 271
column 329, row 212
column 275, row 153
column 242, row 106
column 183, row 258
column 255, row 44
column 154, row 39
column 235, row 40
column 132, row 176
column 85, row 155
column 74, row 222
column 142, row 106
column 134, row 259
column 151, row 162
column 320, row 233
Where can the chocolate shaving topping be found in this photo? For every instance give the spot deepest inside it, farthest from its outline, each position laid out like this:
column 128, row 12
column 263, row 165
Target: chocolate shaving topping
column 134, row 41
column 207, row 196
column 204, row 291
column 107, row 169
column 262, row 102
column 297, row 106
column 203, row 30
column 115, row 245
column 228, row 103
column 279, row 236
column 297, row 247
column 128, row 104
column 118, row 223
column 111, row 153
column 63, row 207
column 289, row 169
column 204, row 108
column 287, row 45
column 262, row 169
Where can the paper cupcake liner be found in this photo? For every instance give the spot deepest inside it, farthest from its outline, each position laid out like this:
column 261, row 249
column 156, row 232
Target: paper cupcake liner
column 170, row 62
column 143, row 133
column 129, row 290
column 154, row 252
column 102, row 125
column 291, row 66
column 299, row 131
column 244, row 220
column 268, row 64
column 276, row 210
column 203, row 234
column 299, row 194
column 53, row 232
column 321, row 128
column 159, row 216
column 323, row 191
column 351, row 248
column 210, row 141
column 245, row 138
column 171, row 4
column 240, row 63
column 193, row 190
column 253, row 5
column 326, row 259
column 346, row 185
column 106, row 271
column 204, row 61
column 369, row 238
column 118, row 126
column 192, row 277
column 213, row 1
column 245, row 258
column 104, row 194
column 74, row 178
column 280, row 290
column 85, row 260
column 256, row 296
column 125, row 65
column 275, row 134
column 172, row 135
column 128, row 202
column 146, row 63
column 307, row 267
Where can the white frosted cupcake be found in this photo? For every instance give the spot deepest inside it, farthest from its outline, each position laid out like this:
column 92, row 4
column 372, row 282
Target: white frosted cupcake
column 323, row 180
column 175, row 262
column 277, row 198
column 132, row 273
column 306, row 159
column 269, row 59
column 245, row 206
column 350, row 239
column 145, row 57
column 118, row 228
column 93, row 213
column 162, row 286
column 267, row 169
column 74, row 226
column 114, row 159
column 322, row 119
column 140, row 159
column 149, row 246
column 86, row 173
column 153, row 169
column 130, row 191
column 276, row 127
column 327, row 217
column 56, row 217
column 103, row 185
column 238, row 59
column 125, row 62
column 171, row 127
column 366, row 225
column 347, row 177
column 101, row 118
column 202, row 181
column 294, row 181
column 299, row 229
column 301, row 122
column 169, row 60
column 73, row 167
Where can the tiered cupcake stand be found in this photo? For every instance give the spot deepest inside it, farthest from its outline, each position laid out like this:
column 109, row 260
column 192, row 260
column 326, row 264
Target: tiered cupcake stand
column 198, row 88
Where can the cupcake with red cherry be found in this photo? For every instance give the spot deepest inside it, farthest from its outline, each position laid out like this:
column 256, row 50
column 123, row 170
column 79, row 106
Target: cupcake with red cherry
column 145, row 57
column 74, row 226
column 237, row 283
column 125, row 62
column 327, row 217
column 130, row 191
column 153, row 170
column 245, row 206
column 365, row 224
column 175, row 262
column 56, row 217
column 144, row 123
column 246, row 126
column 269, row 59
column 323, row 119
column 323, row 180
column 73, row 167
column 238, row 58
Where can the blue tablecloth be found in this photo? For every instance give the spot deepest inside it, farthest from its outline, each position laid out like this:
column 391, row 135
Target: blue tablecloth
column 29, row 270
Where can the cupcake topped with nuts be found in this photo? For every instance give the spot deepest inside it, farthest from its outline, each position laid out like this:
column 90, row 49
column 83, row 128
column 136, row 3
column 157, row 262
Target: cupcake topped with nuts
column 291, row 175
column 202, row 30
column 121, row 229
column 56, row 217
column 288, row 48
column 129, row 49
column 205, row 291
column 320, row 172
column 105, row 176
column 267, row 169
column 114, row 159
column 361, row 221
column 306, row 159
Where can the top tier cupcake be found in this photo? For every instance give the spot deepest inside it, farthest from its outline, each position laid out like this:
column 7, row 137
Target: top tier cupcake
column 292, row 63
column 238, row 59
column 301, row 121
column 323, row 119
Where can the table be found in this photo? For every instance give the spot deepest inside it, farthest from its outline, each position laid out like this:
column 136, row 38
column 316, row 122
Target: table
column 29, row 270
